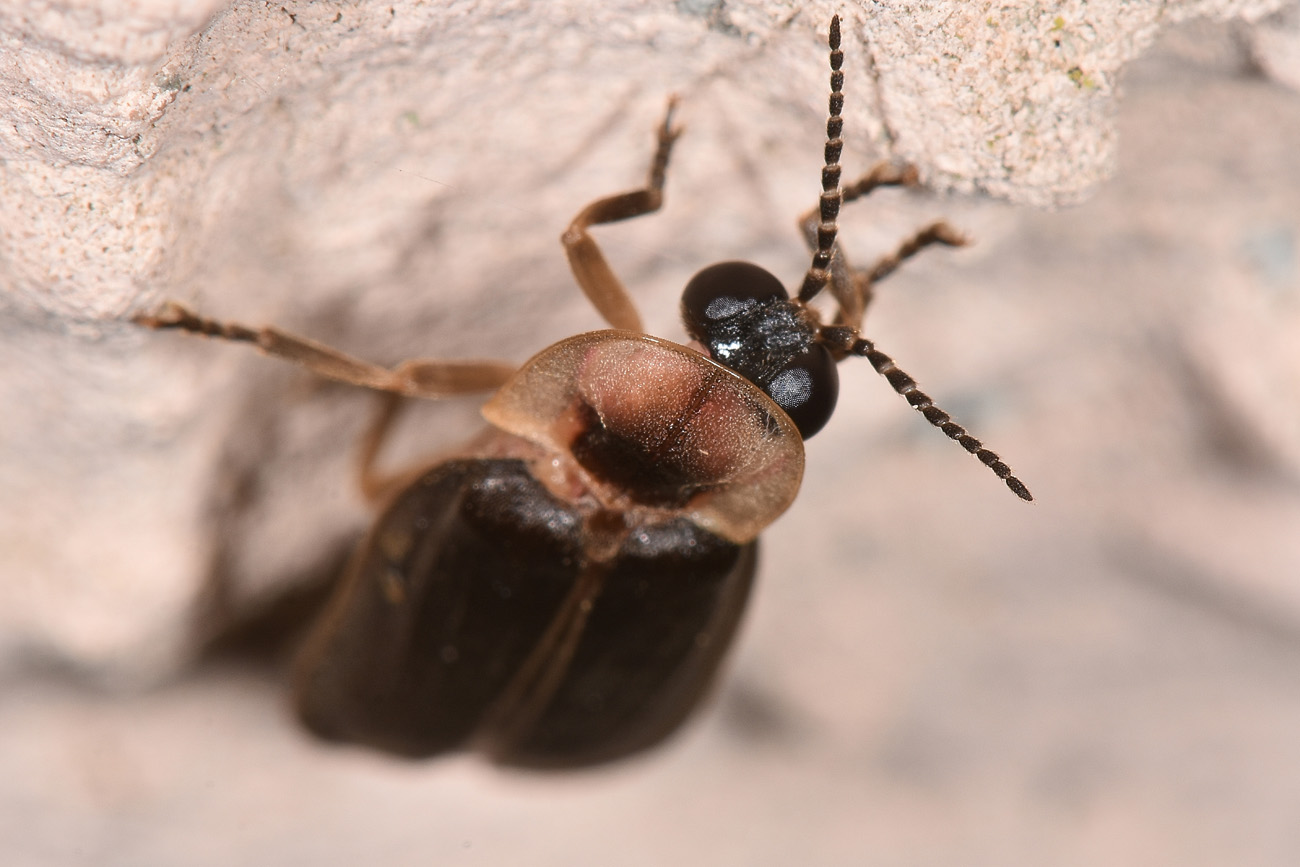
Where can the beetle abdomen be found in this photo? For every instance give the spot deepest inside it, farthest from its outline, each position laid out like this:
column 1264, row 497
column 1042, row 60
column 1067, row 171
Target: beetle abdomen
column 448, row 601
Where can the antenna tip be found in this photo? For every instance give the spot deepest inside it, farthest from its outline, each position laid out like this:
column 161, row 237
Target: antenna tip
column 1018, row 488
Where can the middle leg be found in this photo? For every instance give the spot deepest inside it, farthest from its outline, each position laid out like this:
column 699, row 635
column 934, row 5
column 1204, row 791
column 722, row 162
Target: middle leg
column 420, row 377
column 852, row 287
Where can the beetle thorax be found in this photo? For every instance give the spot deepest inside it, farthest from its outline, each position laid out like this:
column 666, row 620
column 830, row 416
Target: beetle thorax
column 644, row 426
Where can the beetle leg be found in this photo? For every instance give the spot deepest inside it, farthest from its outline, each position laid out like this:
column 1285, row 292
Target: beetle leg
column 428, row 378
column 852, row 287
column 599, row 283
column 374, row 484
column 938, row 232
column 851, row 298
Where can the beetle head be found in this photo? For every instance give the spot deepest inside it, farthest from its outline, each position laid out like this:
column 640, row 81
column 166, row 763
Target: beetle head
column 743, row 316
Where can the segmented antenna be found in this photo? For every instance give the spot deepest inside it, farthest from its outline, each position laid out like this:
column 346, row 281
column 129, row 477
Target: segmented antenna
column 920, row 401
column 818, row 274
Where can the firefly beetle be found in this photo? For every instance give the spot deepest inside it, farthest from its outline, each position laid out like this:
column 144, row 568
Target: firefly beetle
column 562, row 593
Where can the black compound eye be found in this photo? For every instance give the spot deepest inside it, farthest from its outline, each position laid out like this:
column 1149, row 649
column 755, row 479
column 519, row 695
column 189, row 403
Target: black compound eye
column 724, row 290
column 807, row 389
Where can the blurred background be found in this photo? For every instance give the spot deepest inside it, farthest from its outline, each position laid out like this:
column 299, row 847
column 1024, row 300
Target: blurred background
column 932, row 672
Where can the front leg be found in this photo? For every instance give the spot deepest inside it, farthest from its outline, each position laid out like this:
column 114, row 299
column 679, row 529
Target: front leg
column 602, row 287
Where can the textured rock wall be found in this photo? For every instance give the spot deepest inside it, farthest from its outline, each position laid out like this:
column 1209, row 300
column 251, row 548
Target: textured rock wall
column 931, row 673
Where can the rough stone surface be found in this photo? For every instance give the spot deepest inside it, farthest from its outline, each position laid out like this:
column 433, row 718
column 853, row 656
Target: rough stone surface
column 1275, row 41
column 933, row 672
column 392, row 178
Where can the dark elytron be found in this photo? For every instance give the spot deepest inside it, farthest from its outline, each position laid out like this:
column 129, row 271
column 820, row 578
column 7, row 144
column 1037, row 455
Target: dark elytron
column 475, row 544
